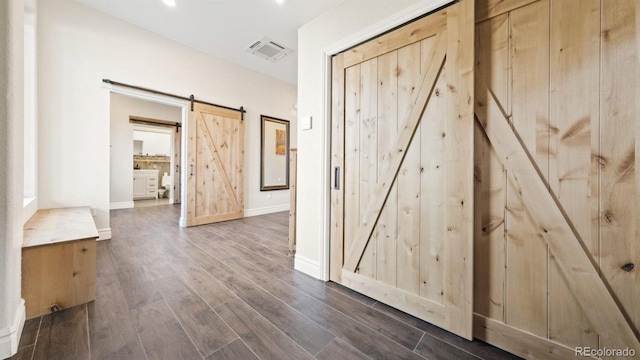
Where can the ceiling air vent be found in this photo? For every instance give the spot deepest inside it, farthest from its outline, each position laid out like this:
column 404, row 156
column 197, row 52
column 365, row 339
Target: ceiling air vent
column 269, row 49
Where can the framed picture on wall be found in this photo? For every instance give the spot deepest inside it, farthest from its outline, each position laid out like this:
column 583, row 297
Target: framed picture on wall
column 274, row 153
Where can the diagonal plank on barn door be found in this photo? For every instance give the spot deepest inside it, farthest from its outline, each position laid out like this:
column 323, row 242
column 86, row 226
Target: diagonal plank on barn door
column 216, row 158
column 396, row 157
column 573, row 259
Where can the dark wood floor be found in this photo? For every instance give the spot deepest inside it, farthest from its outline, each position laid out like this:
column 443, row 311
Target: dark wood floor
column 225, row 291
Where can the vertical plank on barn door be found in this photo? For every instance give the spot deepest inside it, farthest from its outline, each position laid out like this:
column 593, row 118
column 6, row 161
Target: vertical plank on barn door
column 387, row 226
column 177, row 151
column 231, row 138
column 212, row 193
column 526, row 249
column 432, row 177
column 459, row 168
column 368, row 153
column 194, row 202
column 229, row 155
column 337, row 166
column 573, row 175
column 351, row 153
column 492, row 64
column 408, row 180
column 620, row 152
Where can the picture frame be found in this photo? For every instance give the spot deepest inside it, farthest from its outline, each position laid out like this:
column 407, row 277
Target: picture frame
column 274, row 153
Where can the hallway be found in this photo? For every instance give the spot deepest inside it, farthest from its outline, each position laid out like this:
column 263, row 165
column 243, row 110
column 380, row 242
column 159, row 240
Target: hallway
column 225, row 291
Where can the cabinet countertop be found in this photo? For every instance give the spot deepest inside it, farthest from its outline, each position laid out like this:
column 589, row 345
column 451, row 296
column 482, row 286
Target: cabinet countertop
column 151, row 171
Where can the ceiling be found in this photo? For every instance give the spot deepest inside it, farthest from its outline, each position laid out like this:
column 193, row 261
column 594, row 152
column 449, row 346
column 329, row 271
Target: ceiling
column 225, row 28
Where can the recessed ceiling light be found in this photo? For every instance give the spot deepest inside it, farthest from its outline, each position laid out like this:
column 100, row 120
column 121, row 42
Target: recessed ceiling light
column 280, row 2
column 169, row 2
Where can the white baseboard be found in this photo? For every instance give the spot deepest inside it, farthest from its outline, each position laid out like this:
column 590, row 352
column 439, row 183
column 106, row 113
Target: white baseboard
column 121, row 205
column 307, row 266
column 30, row 206
column 10, row 337
column 105, row 234
column 266, row 210
column 182, row 222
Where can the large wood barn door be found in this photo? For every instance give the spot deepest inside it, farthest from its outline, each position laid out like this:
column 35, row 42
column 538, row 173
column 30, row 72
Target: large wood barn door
column 557, row 242
column 402, row 160
column 215, row 158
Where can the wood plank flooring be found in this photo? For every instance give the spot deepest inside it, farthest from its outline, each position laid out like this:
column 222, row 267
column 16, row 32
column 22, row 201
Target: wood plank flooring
column 225, row 291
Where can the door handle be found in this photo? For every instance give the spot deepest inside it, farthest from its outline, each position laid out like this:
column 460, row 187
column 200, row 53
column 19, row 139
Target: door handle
column 191, row 170
column 336, row 178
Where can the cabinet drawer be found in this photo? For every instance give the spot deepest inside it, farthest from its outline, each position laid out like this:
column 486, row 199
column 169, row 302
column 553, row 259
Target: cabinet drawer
column 152, row 186
column 151, row 192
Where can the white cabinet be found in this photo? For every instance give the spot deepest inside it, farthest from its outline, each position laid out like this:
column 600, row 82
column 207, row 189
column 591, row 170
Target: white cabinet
column 145, row 184
column 139, row 186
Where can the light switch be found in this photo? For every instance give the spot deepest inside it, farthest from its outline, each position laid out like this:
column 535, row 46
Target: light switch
column 305, row 123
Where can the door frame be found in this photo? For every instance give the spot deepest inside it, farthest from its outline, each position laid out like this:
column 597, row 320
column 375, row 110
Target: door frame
column 398, row 19
column 165, row 100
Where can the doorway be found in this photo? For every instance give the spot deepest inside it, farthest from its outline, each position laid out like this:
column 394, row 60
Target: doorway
column 154, row 165
column 198, row 119
column 145, row 144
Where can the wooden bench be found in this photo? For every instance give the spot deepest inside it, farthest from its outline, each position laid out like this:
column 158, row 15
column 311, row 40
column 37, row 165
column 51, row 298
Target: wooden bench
column 58, row 260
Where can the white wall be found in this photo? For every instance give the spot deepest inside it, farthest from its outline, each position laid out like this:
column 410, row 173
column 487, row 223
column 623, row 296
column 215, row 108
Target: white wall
column 121, row 173
column 30, row 110
column 338, row 27
column 11, row 172
column 78, row 47
column 154, row 143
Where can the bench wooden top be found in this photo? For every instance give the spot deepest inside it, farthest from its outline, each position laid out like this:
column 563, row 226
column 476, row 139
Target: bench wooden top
column 50, row 226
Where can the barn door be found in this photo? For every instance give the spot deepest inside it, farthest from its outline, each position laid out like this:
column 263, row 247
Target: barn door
column 215, row 158
column 556, row 251
column 402, row 168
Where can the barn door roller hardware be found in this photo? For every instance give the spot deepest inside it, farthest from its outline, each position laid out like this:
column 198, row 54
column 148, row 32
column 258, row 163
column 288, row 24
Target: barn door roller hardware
column 191, row 98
